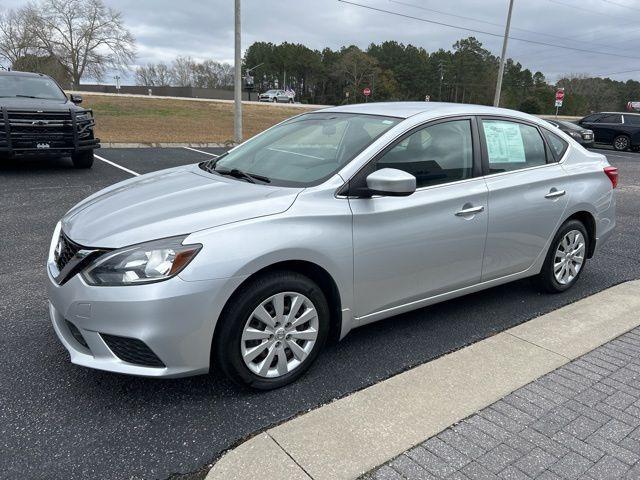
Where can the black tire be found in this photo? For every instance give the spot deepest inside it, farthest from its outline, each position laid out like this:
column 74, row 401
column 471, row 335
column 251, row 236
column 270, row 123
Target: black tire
column 83, row 159
column 275, row 100
column 621, row 143
column 546, row 280
column 226, row 346
column 291, row 100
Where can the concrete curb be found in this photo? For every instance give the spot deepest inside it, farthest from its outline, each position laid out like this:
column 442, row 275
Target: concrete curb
column 353, row 435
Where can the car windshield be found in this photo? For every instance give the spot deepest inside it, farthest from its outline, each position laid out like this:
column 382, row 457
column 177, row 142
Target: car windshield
column 304, row 150
column 271, row 91
column 30, row 87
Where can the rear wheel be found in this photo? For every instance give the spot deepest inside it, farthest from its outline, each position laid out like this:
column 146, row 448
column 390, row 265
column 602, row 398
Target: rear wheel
column 621, row 142
column 272, row 330
column 83, row 159
column 566, row 258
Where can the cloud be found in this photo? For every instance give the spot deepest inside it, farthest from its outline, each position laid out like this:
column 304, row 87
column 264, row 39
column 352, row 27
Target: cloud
column 204, row 29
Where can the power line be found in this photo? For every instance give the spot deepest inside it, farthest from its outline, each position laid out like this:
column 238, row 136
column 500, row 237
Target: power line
column 620, row 5
column 484, row 21
column 482, row 32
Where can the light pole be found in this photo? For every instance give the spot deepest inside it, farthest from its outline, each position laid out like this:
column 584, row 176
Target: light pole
column 496, row 99
column 237, row 80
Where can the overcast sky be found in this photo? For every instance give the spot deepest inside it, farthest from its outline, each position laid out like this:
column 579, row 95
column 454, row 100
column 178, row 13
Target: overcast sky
column 204, row 28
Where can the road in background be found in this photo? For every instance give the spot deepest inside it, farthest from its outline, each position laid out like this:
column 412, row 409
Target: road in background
column 58, row 420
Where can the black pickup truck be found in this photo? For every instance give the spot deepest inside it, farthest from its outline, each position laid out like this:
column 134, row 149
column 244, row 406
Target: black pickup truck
column 37, row 119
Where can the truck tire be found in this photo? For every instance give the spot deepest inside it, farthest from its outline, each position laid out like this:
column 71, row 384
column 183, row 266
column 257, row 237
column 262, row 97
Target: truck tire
column 83, row 159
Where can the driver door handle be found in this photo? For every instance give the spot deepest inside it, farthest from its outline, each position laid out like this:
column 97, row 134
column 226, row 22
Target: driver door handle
column 469, row 211
column 555, row 193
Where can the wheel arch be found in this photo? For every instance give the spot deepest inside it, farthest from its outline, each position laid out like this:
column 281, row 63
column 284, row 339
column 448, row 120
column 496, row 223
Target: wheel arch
column 314, row 272
column 589, row 222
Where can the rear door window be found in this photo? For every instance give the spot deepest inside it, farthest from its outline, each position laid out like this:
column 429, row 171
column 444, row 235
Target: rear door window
column 512, row 146
column 632, row 119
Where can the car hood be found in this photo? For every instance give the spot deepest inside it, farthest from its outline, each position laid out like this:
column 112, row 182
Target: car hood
column 38, row 104
column 177, row 201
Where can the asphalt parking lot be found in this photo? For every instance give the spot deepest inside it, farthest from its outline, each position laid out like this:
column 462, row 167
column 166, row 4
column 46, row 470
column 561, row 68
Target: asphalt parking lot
column 58, row 420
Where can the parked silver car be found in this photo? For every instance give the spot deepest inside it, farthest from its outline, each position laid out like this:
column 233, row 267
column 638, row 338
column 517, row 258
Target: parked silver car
column 328, row 221
column 276, row 96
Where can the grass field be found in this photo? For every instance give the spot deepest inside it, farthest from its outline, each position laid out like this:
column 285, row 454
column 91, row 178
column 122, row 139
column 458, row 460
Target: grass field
column 151, row 120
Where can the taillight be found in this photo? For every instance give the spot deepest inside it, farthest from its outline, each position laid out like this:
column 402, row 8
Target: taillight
column 612, row 173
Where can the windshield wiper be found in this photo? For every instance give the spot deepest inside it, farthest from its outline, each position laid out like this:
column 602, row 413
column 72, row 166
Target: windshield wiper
column 237, row 173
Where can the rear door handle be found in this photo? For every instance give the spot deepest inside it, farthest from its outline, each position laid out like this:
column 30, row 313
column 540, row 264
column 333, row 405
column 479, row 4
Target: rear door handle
column 469, row 211
column 554, row 193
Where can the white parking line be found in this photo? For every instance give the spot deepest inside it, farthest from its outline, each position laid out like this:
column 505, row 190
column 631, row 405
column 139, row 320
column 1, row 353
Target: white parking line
column 136, row 174
column 201, row 151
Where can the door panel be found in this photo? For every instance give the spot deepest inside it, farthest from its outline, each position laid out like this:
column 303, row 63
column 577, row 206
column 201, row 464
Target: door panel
column 409, row 248
column 525, row 208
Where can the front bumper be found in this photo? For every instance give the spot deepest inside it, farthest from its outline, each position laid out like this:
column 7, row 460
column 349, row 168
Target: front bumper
column 175, row 319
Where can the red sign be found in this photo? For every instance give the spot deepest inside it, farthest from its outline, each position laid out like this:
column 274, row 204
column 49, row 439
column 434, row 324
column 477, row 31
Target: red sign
column 560, row 95
column 367, row 91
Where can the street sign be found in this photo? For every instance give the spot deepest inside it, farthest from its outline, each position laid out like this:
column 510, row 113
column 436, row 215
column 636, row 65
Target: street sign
column 366, row 91
column 560, row 94
column 558, row 103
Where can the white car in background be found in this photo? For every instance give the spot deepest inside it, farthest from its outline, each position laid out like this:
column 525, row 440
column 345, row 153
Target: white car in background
column 276, row 96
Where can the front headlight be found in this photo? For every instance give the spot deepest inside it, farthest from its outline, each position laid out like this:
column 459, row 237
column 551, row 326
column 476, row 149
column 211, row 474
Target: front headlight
column 139, row 264
column 83, row 116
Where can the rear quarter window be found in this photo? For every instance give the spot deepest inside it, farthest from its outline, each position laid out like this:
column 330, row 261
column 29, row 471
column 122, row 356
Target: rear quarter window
column 557, row 145
column 632, row 119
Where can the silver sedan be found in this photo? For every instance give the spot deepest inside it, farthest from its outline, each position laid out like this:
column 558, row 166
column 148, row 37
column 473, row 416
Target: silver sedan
column 328, row 221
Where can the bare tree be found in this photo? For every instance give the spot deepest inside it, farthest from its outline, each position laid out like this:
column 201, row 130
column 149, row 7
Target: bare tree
column 85, row 36
column 182, row 72
column 16, row 38
column 153, row 75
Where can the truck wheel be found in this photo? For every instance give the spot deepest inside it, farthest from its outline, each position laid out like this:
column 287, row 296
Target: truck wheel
column 83, row 159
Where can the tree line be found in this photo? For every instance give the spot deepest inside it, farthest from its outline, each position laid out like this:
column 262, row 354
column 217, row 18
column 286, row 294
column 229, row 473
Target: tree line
column 75, row 39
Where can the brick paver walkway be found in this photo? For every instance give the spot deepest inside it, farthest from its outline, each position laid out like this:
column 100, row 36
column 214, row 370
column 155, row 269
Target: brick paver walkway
column 581, row 421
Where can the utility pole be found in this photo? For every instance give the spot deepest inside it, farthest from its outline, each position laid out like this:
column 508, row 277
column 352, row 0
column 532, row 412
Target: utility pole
column 237, row 80
column 441, row 68
column 496, row 99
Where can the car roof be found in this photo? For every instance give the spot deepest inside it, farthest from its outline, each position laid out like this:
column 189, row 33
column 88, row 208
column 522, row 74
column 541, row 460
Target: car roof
column 435, row 109
column 13, row 73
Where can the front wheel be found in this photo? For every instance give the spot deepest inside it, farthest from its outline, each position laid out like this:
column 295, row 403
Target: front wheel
column 272, row 330
column 566, row 258
column 621, row 142
column 83, row 159
column 275, row 100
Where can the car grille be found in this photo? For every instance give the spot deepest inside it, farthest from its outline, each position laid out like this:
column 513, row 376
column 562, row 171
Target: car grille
column 132, row 350
column 28, row 132
column 39, row 131
column 65, row 251
column 76, row 334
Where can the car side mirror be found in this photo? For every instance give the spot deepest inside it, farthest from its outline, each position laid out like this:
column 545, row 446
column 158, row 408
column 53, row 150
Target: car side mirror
column 391, row 182
column 77, row 99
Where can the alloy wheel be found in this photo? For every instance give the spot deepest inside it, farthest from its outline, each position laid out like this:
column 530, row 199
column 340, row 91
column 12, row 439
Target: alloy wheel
column 569, row 257
column 621, row 143
column 279, row 335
